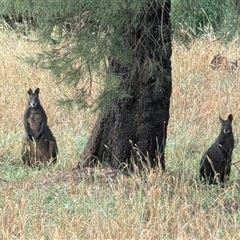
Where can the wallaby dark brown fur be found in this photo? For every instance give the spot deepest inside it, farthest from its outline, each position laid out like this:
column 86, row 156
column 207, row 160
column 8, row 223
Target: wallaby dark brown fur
column 39, row 145
column 215, row 165
column 220, row 62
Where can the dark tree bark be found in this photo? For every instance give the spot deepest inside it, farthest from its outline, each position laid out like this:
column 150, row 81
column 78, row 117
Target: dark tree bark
column 134, row 131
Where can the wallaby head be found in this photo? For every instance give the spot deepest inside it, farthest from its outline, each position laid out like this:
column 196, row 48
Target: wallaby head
column 226, row 124
column 216, row 57
column 33, row 97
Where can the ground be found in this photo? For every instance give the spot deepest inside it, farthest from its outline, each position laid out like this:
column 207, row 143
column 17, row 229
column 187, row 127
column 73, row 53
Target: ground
column 55, row 203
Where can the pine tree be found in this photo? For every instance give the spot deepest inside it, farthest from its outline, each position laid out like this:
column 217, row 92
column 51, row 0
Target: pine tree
column 134, row 130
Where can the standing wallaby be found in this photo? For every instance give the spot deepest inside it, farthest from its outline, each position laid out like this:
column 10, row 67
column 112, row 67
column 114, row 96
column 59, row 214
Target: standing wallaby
column 216, row 163
column 39, row 144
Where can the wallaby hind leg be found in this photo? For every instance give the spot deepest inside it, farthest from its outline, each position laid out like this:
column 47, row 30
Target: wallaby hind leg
column 26, row 154
column 53, row 151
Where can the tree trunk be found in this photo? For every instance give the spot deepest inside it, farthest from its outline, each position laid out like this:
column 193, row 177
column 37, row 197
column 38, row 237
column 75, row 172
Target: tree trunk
column 134, row 131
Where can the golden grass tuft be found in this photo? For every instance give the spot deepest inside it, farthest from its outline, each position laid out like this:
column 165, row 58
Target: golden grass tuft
column 53, row 203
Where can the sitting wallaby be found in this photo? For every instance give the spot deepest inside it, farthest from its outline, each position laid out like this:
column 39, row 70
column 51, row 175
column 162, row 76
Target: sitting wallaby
column 216, row 163
column 220, row 62
column 39, row 144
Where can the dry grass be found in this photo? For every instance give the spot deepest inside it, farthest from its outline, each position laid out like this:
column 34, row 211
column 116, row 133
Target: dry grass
column 51, row 203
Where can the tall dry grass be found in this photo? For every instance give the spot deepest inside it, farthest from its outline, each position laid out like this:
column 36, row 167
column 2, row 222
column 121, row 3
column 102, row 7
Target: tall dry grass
column 48, row 204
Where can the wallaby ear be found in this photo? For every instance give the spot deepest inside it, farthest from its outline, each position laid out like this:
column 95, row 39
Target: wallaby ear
column 230, row 117
column 37, row 91
column 221, row 120
column 30, row 91
column 217, row 56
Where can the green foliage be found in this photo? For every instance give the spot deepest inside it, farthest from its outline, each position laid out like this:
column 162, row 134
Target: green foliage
column 194, row 18
column 80, row 38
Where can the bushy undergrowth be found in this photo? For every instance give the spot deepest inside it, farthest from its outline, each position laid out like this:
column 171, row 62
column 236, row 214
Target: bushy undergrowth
column 50, row 203
column 197, row 18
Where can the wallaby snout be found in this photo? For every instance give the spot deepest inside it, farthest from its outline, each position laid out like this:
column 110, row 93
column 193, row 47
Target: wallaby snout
column 226, row 130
